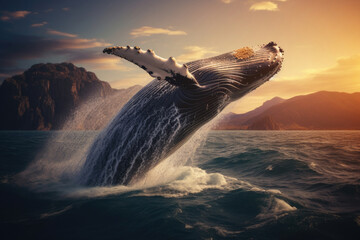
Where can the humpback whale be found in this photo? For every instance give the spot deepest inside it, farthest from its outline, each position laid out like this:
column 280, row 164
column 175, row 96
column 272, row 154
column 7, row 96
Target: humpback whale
column 164, row 114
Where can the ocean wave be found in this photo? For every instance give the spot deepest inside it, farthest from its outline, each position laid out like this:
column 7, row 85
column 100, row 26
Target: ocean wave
column 171, row 182
column 54, row 213
column 218, row 230
column 276, row 207
column 290, row 188
column 175, row 182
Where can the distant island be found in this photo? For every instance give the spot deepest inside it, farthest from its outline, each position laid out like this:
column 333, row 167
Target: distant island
column 46, row 95
column 317, row 111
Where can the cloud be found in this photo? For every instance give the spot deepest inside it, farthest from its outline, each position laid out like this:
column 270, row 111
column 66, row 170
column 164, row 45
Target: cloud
column 194, row 53
column 146, row 31
column 66, row 9
column 10, row 73
column 39, row 24
column 342, row 77
column 23, row 47
column 98, row 61
column 6, row 16
column 58, row 33
column 80, row 43
column 227, row 1
column 264, row 6
column 3, row 76
column 129, row 81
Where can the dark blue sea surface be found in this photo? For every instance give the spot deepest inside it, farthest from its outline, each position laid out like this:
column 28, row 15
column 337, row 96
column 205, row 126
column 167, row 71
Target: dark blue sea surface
column 221, row 185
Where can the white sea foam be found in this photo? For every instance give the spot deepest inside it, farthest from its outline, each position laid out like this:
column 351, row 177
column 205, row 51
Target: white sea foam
column 221, row 231
column 258, row 189
column 177, row 182
column 187, row 180
column 276, row 208
column 54, row 213
column 312, row 165
column 282, row 206
column 170, row 181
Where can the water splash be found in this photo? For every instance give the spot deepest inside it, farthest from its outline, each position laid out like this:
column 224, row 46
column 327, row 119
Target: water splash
column 62, row 162
column 59, row 162
column 96, row 113
column 58, row 167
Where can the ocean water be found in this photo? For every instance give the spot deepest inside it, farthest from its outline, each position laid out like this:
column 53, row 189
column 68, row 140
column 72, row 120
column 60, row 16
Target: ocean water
column 221, row 185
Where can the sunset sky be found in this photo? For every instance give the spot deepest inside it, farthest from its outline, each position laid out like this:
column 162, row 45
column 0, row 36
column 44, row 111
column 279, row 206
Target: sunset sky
column 321, row 38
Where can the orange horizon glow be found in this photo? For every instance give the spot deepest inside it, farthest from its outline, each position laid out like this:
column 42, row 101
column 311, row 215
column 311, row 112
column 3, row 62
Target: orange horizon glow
column 320, row 39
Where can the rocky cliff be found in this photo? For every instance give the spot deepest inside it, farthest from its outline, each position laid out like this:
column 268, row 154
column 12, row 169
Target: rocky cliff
column 264, row 123
column 43, row 96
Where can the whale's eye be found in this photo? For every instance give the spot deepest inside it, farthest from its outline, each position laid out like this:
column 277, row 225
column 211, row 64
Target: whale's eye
column 243, row 53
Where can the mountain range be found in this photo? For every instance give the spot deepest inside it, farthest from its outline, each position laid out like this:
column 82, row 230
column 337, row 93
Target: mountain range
column 63, row 96
column 317, row 111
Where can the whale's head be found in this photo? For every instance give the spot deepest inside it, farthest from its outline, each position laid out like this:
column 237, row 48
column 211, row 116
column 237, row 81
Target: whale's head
column 238, row 72
column 232, row 74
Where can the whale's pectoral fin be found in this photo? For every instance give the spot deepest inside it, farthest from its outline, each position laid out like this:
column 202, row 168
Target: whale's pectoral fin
column 158, row 67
